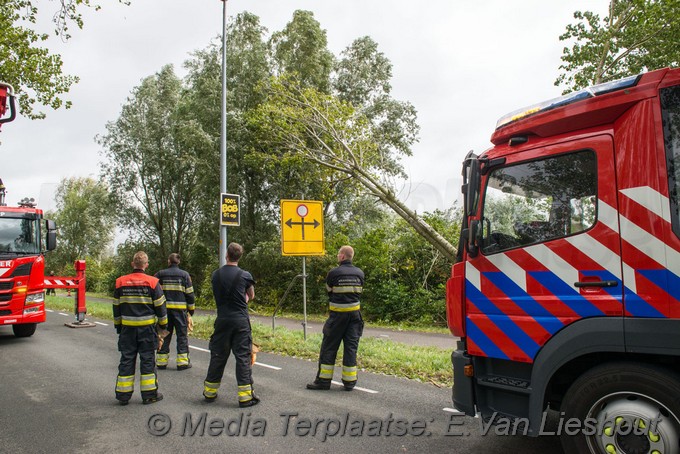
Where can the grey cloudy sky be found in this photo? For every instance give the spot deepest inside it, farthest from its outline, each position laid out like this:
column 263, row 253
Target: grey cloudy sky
column 462, row 64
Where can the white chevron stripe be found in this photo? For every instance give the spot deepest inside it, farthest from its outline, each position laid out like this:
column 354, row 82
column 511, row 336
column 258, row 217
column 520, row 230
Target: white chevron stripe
column 608, row 216
column 472, row 275
column 554, row 263
column 629, row 278
column 511, row 269
column 643, row 241
column 598, row 252
column 3, row 271
column 653, row 200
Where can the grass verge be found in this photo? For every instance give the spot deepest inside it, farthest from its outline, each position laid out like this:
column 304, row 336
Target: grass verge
column 425, row 364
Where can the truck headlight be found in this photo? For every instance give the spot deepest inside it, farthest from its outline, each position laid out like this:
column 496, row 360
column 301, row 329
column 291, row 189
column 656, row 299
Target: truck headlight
column 33, row 298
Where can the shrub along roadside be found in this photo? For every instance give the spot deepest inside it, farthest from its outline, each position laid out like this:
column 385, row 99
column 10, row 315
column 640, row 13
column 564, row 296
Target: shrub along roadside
column 426, row 364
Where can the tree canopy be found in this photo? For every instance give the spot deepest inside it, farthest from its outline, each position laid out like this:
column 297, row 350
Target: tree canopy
column 634, row 36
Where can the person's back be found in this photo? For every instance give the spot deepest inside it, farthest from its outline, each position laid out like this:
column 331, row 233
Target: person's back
column 229, row 285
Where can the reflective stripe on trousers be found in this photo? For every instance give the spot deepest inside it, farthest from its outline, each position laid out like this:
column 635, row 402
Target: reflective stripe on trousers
column 182, row 359
column 162, row 359
column 125, row 384
column 147, row 382
column 326, row 371
column 210, row 389
column 349, row 373
column 245, row 393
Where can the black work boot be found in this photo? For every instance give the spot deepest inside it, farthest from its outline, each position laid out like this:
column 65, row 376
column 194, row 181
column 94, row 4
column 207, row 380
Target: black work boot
column 184, row 367
column 250, row 403
column 152, row 400
column 320, row 384
column 349, row 385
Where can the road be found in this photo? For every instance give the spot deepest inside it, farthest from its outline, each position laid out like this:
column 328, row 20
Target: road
column 57, row 395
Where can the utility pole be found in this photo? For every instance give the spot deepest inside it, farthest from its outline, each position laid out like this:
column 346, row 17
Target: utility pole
column 223, row 136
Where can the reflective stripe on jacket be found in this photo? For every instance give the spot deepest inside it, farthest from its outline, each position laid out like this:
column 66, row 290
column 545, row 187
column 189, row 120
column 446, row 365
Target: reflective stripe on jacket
column 138, row 301
column 177, row 286
column 344, row 284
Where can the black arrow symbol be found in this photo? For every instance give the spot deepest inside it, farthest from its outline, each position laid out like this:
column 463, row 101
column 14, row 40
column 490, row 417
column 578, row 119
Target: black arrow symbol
column 290, row 224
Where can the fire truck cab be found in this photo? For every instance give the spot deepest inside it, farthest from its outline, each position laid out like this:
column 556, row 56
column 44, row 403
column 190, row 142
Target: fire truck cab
column 566, row 293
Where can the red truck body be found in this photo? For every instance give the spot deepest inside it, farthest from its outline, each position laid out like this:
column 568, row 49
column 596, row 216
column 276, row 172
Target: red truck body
column 566, row 295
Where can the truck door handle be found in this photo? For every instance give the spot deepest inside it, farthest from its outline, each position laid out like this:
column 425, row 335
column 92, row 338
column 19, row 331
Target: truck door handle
column 596, row 284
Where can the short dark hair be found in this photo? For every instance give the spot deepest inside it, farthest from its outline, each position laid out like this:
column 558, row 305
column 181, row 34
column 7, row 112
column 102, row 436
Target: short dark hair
column 234, row 252
column 174, row 258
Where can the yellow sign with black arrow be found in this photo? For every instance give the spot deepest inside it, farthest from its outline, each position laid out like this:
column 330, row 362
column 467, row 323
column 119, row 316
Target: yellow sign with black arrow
column 302, row 227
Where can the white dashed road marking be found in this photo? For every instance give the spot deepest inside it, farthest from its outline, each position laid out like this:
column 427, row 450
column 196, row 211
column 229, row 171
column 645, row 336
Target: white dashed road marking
column 103, row 324
column 259, row 364
column 358, row 388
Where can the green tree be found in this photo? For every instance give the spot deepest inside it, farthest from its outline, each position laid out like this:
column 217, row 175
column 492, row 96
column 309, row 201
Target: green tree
column 333, row 134
column 635, row 36
column 34, row 71
column 154, row 157
column 85, row 220
column 301, row 48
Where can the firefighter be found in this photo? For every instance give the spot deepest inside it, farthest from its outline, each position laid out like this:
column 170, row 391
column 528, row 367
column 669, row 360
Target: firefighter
column 179, row 296
column 344, row 284
column 138, row 306
column 232, row 288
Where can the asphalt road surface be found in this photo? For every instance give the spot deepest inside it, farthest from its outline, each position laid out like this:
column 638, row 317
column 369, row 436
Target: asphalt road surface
column 57, row 395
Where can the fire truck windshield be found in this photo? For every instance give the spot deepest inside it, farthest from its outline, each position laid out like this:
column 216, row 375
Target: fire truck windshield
column 20, row 236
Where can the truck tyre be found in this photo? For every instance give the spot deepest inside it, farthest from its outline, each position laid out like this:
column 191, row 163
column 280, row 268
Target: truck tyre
column 624, row 408
column 25, row 330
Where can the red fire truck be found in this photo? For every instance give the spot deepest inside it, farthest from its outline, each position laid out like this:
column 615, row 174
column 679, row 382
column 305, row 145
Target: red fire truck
column 566, row 293
column 24, row 237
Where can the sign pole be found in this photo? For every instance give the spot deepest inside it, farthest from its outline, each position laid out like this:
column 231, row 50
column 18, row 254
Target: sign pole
column 223, row 135
column 304, row 295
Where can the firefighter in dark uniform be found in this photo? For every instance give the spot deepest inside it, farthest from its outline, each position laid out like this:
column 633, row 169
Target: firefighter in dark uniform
column 179, row 299
column 344, row 284
column 232, row 288
column 138, row 306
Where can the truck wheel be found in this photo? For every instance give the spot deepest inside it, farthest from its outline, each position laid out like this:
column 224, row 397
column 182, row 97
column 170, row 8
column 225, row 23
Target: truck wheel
column 25, row 330
column 625, row 408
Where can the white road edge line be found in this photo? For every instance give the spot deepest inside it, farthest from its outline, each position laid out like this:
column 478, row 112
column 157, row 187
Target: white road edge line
column 61, row 313
column 49, row 310
column 259, row 364
column 267, row 366
column 103, row 324
column 358, row 388
column 453, row 410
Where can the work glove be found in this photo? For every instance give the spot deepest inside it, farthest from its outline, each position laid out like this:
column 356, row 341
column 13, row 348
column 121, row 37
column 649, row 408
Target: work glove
column 190, row 324
column 253, row 353
column 162, row 334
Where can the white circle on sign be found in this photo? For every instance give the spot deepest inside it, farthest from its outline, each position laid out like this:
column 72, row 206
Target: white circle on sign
column 302, row 210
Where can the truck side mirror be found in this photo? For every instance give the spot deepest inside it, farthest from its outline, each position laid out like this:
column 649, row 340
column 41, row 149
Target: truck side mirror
column 51, row 234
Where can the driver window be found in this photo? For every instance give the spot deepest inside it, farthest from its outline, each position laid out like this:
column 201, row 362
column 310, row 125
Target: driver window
column 539, row 200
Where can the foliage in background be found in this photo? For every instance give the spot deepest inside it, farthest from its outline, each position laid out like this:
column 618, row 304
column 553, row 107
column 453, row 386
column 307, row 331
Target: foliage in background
column 154, row 159
column 635, row 36
column 85, row 222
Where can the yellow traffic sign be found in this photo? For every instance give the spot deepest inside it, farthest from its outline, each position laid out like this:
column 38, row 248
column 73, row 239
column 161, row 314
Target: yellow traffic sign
column 230, row 210
column 302, row 227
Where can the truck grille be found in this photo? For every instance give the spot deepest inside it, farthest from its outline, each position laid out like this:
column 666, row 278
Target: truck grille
column 5, row 297
column 5, row 312
column 6, row 285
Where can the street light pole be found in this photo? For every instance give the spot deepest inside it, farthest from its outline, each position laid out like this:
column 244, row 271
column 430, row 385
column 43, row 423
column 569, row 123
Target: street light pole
column 223, row 136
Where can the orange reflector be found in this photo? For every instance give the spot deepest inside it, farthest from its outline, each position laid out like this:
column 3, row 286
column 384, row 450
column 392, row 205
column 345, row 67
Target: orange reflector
column 22, row 289
column 469, row 371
